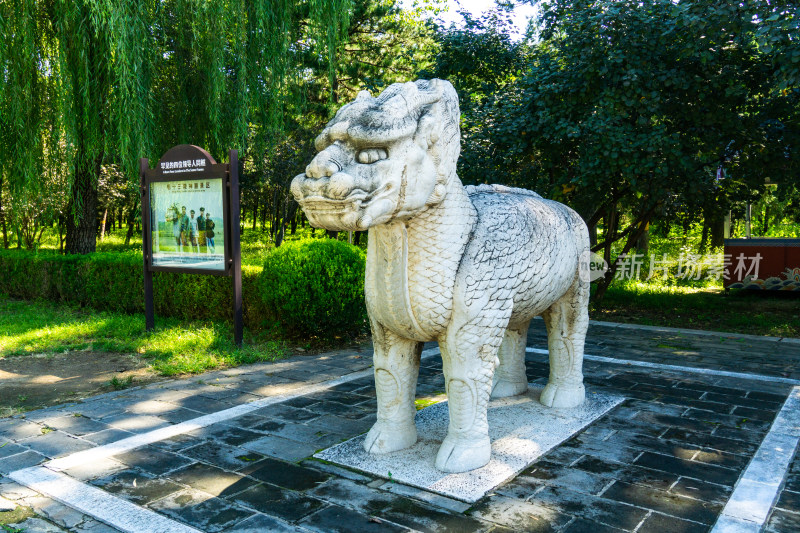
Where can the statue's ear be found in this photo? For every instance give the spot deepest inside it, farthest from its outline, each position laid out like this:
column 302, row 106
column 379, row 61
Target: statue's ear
column 428, row 129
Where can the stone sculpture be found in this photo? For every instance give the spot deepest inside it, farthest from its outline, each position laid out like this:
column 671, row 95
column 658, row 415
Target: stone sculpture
column 468, row 267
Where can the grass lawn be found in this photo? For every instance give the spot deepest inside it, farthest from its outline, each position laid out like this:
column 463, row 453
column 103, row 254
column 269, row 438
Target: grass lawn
column 176, row 347
column 700, row 307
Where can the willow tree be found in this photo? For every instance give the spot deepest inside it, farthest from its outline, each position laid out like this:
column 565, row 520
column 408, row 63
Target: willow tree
column 89, row 82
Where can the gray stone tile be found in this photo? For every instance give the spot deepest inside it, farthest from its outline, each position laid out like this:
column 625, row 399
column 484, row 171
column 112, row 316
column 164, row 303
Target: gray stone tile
column 37, row 525
column 692, row 469
column 288, row 450
column 664, row 502
column 222, row 455
column 20, row 460
column 555, row 475
column 107, row 435
column 14, row 491
column 260, row 523
column 315, row 434
column 520, row 515
column 93, row 526
column 56, row 444
column 137, row 486
column 16, row 429
column 395, row 508
column 287, row 475
column 94, row 469
column 75, row 424
column 603, row 510
column 343, row 426
column 55, row 512
column 337, row 519
column 274, row 501
column 211, row 479
column 783, row 522
column 226, row 434
column 659, row 523
column 135, row 423
column 152, row 460
column 9, row 448
column 701, row 490
column 200, row 510
column 579, row 525
column 436, row 500
column 335, row 470
column 99, row 409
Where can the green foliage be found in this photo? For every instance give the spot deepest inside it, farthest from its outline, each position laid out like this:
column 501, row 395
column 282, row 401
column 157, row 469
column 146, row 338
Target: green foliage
column 625, row 110
column 121, row 383
column 114, row 282
column 75, row 75
column 316, row 287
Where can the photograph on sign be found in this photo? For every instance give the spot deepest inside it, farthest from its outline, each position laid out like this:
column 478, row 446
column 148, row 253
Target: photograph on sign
column 186, row 223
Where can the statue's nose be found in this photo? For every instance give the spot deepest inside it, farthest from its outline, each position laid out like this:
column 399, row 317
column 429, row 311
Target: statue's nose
column 321, row 167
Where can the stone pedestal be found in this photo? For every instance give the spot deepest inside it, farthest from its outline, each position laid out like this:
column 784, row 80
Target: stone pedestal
column 521, row 430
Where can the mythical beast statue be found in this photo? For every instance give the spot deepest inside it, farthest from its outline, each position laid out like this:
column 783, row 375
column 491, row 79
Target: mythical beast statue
column 468, row 267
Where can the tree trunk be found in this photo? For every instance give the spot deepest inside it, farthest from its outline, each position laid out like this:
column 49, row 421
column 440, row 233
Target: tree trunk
column 718, row 232
column 3, row 215
column 704, row 237
column 643, row 244
column 255, row 211
column 332, row 234
column 60, row 225
column 103, row 225
column 131, row 220
column 82, row 208
column 593, row 236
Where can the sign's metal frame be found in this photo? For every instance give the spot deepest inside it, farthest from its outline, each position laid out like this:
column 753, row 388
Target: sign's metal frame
column 229, row 174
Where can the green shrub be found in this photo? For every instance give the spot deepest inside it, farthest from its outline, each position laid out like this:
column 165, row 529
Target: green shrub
column 115, row 282
column 315, row 287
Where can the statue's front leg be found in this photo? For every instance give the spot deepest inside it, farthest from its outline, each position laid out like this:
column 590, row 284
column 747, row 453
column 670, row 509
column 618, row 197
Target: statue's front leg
column 469, row 357
column 396, row 365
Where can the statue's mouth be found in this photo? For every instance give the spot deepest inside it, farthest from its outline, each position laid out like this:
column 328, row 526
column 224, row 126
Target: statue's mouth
column 355, row 212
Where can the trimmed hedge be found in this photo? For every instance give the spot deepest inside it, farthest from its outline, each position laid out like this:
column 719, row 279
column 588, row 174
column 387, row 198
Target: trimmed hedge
column 115, row 282
column 316, row 287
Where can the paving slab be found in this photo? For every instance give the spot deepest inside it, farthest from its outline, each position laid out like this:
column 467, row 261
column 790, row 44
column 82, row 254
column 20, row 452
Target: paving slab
column 669, row 458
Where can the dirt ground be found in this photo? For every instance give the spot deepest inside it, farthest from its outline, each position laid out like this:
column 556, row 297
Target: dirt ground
column 34, row 381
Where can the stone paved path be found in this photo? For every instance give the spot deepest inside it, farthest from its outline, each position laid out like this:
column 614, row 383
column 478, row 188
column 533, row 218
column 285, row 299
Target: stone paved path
column 666, row 460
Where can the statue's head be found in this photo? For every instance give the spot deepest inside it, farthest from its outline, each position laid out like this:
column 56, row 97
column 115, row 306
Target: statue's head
column 384, row 158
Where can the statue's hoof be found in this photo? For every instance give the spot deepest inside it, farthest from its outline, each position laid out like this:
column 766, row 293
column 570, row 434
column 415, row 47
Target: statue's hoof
column 463, row 454
column 504, row 389
column 562, row 396
column 386, row 438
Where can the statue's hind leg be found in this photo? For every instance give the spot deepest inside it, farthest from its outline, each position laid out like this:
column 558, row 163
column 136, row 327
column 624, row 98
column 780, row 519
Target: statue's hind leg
column 509, row 377
column 567, row 321
column 396, row 363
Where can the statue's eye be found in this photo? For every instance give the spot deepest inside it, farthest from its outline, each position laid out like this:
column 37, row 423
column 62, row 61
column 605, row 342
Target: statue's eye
column 370, row 155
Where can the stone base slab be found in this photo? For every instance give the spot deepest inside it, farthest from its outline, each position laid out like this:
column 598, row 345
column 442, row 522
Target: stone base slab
column 521, row 430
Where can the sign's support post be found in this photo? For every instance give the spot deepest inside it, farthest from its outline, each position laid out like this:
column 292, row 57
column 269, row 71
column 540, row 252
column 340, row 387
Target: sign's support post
column 149, row 310
column 236, row 250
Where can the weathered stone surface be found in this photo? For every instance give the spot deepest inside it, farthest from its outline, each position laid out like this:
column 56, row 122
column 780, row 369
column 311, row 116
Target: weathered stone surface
column 467, row 267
